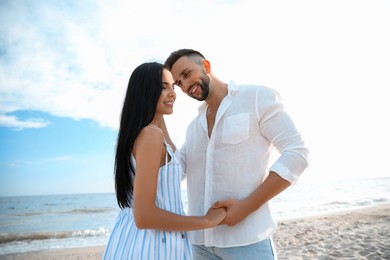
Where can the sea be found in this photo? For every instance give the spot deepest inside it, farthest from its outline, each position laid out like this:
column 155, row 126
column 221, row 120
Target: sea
column 34, row 223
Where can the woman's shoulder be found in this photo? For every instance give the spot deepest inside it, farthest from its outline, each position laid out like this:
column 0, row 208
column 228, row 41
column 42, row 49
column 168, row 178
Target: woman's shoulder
column 151, row 132
column 154, row 128
column 149, row 139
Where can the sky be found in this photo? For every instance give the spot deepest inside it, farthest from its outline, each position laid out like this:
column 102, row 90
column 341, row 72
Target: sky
column 64, row 68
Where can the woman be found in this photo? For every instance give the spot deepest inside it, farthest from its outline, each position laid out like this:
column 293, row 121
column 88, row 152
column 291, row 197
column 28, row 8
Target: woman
column 151, row 223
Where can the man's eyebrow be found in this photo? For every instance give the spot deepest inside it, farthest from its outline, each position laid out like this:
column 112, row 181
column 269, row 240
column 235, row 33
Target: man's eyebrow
column 184, row 71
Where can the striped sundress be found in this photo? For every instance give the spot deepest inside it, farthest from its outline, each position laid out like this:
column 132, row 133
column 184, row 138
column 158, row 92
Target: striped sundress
column 128, row 242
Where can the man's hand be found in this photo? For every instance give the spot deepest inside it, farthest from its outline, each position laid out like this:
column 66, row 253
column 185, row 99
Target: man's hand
column 236, row 211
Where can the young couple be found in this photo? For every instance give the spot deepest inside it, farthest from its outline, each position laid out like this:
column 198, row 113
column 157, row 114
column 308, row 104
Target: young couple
column 225, row 159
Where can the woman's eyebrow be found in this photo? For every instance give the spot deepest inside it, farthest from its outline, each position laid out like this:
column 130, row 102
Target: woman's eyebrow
column 167, row 83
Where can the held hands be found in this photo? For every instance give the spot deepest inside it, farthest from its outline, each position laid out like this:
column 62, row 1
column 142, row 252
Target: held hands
column 215, row 216
column 236, row 211
column 227, row 212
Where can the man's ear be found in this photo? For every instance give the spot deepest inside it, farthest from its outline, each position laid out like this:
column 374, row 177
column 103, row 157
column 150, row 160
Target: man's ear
column 207, row 66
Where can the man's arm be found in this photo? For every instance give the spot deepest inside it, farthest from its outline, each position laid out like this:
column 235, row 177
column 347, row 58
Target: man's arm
column 238, row 210
column 277, row 126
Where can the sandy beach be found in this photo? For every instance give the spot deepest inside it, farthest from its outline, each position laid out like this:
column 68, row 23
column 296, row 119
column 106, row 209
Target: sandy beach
column 358, row 234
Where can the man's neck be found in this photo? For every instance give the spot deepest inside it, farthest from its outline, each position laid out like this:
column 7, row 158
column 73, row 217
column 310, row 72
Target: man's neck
column 218, row 92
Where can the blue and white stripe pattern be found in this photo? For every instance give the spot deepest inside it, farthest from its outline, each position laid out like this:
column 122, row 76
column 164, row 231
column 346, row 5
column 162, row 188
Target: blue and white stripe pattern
column 128, row 242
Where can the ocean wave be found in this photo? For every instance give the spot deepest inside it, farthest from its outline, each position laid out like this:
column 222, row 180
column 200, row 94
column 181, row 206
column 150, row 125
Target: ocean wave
column 88, row 210
column 358, row 202
column 50, row 204
column 283, row 211
column 91, row 232
column 27, row 214
column 8, row 238
column 58, row 212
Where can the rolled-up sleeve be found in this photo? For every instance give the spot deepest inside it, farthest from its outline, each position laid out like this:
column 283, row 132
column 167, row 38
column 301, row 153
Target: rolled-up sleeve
column 278, row 127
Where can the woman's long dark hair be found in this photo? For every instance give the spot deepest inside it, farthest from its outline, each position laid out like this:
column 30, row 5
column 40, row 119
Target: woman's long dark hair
column 139, row 108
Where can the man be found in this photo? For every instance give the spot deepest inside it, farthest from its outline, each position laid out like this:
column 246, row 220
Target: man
column 226, row 158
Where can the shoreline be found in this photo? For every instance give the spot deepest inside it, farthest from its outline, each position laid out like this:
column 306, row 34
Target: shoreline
column 354, row 234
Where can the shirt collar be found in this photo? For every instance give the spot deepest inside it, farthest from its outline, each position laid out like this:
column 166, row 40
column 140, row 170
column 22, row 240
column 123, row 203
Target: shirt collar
column 232, row 90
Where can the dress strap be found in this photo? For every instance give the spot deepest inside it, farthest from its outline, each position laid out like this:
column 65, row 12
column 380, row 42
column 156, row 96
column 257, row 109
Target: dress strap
column 166, row 152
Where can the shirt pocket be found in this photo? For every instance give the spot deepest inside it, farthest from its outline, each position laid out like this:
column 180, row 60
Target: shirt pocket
column 235, row 129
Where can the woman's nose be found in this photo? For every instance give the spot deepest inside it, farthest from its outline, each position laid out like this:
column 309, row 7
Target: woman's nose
column 172, row 93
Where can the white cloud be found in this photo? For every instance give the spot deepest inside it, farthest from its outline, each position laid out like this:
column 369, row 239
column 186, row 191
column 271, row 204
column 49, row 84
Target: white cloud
column 329, row 59
column 52, row 63
column 18, row 124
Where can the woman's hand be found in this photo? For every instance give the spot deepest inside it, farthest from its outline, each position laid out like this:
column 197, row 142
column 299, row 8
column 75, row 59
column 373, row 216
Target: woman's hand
column 215, row 216
column 236, row 211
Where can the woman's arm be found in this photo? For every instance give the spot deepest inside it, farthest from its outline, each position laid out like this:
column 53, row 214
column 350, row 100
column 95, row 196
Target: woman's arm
column 149, row 151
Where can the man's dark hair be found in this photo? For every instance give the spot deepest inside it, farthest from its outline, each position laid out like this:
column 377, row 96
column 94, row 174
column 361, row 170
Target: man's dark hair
column 180, row 53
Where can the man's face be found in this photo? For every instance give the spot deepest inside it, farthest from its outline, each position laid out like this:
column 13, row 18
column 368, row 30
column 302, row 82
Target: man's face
column 191, row 77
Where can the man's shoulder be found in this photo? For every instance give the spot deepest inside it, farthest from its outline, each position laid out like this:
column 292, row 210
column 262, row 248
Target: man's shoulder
column 255, row 88
column 251, row 90
column 233, row 87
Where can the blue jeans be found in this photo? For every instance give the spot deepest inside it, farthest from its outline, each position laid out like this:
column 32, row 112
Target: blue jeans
column 263, row 250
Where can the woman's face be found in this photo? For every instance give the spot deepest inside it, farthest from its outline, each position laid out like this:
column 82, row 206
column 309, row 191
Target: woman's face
column 168, row 95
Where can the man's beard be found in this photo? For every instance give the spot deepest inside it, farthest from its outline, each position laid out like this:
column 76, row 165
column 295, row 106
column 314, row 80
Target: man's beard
column 205, row 87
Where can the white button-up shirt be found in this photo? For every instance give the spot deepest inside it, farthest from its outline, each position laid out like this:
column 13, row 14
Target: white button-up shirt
column 234, row 161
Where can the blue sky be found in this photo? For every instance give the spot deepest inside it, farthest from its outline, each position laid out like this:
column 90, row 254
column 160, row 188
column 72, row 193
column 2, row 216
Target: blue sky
column 64, row 67
column 65, row 156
